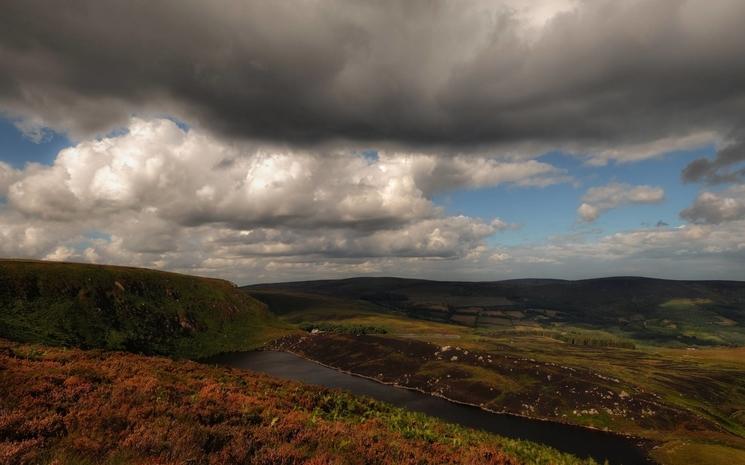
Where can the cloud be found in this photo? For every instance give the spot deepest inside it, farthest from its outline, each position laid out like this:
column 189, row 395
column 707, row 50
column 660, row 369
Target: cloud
column 8, row 176
column 717, row 207
column 601, row 199
column 273, row 179
column 685, row 252
column 191, row 178
column 437, row 174
column 24, row 237
column 645, row 150
column 441, row 238
column 726, row 167
column 34, row 130
column 250, row 255
column 607, row 79
column 163, row 196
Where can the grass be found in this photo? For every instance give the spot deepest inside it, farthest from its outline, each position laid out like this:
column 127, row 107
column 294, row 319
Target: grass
column 297, row 308
column 694, row 453
column 131, row 309
column 685, row 304
column 441, row 369
column 717, row 356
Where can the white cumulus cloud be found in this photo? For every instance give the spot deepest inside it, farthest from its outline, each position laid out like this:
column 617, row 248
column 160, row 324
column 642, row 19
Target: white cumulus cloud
column 160, row 195
column 717, row 207
column 598, row 200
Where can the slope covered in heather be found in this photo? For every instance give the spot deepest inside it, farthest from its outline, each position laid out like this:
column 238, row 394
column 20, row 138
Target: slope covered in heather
column 131, row 309
column 73, row 407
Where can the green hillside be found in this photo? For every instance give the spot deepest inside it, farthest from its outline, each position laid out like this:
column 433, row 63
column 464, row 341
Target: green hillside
column 652, row 311
column 131, row 309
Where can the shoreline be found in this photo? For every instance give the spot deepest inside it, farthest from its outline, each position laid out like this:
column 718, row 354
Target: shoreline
column 644, row 444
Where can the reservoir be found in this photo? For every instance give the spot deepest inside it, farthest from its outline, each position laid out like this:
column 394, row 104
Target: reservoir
column 582, row 442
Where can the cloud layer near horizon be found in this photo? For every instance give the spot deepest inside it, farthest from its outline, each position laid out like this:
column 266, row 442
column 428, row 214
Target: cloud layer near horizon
column 159, row 192
column 161, row 196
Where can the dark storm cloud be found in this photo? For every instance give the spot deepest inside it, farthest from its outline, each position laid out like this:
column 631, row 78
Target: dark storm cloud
column 724, row 168
column 411, row 72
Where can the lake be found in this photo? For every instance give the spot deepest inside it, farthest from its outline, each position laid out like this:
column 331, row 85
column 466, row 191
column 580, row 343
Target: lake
column 583, row 442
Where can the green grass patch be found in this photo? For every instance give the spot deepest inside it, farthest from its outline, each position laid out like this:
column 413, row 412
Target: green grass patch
column 685, row 304
column 694, row 453
column 136, row 310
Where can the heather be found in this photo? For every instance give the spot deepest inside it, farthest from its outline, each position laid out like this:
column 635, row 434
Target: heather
column 69, row 406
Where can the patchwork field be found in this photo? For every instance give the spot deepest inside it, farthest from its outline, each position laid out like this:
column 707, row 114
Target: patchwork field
column 651, row 311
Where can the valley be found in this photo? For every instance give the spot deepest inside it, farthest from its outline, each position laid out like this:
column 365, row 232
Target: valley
column 328, row 232
column 95, row 369
column 580, row 370
column 645, row 359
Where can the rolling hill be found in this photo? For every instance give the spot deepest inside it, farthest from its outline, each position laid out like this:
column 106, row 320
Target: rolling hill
column 649, row 310
column 132, row 309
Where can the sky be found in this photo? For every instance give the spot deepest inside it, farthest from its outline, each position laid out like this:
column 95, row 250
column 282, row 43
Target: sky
column 272, row 141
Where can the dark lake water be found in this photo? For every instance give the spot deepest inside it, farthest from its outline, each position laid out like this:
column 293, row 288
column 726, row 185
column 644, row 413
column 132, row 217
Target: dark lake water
column 583, row 442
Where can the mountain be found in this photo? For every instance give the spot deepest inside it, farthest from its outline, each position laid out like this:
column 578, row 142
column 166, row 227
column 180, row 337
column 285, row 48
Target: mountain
column 653, row 310
column 132, row 309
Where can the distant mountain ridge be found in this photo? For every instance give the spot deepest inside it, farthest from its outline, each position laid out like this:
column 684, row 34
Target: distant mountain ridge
column 685, row 311
column 622, row 288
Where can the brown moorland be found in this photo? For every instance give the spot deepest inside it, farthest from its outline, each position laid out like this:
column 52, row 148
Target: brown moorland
column 70, row 406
